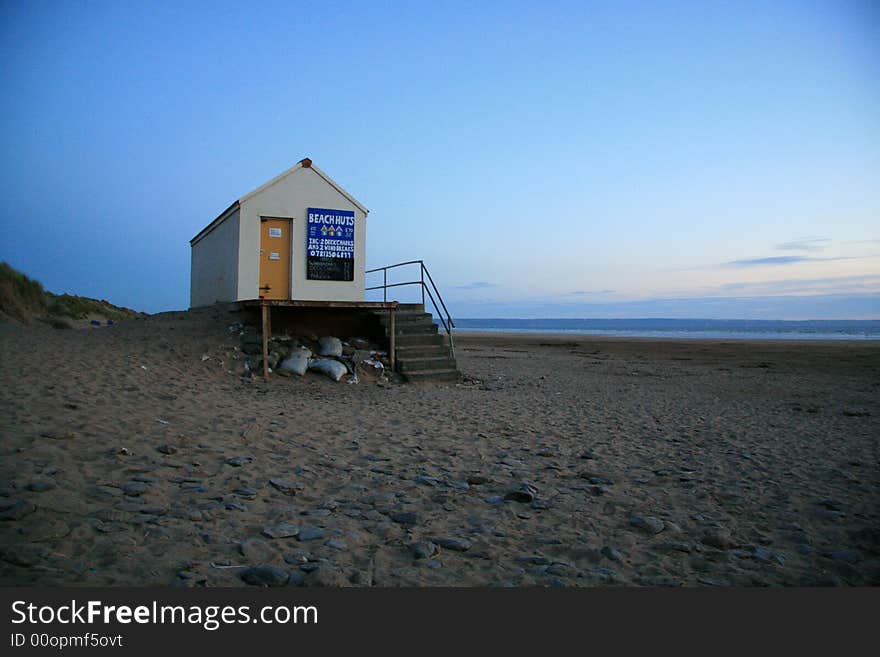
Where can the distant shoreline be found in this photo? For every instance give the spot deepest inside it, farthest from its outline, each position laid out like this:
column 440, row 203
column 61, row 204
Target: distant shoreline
column 685, row 329
column 563, row 336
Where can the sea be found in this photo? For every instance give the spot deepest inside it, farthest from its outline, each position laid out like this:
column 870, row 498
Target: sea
column 748, row 329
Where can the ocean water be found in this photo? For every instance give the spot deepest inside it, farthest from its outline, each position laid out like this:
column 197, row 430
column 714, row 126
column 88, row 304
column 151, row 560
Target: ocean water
column 752, row 329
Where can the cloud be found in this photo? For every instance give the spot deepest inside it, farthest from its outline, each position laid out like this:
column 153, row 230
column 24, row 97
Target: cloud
column 805, row 286
column 586, row 292
column 777, row 260
column 476, row 285
column 804, row 244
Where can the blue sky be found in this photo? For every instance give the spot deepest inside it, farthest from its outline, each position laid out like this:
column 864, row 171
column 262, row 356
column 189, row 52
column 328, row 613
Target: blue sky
column 586, row 159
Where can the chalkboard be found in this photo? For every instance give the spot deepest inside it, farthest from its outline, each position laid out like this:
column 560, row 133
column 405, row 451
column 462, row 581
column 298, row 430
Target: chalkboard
column 330, row 245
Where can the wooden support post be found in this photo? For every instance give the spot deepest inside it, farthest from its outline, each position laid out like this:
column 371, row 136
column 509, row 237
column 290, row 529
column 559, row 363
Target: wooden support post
column 392, row 348
column 264, row 311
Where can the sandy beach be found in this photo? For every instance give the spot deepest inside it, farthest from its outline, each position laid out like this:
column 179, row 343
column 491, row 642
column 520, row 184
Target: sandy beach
column 137, row 454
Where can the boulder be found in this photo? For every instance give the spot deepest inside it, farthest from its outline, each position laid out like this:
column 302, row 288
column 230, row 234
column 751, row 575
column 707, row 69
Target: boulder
column 332, row 368
column 297, row 362
column 330, row 347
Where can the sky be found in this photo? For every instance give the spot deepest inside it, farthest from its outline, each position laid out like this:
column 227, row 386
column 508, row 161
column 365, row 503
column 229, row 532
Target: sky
column 559, row 159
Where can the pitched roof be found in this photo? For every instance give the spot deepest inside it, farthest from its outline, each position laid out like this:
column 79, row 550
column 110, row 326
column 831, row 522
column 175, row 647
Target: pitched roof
column 304, row 163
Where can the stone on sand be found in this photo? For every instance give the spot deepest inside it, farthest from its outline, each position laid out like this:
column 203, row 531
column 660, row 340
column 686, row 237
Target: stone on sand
column 524, row 493
column 134, row 488
column 40, row 485
column 648, row 524
column 423, row 549
column 405, row 517
column 311, row 534
column 265, row 576
column 718, row 538
column 450, row 543
column 281, row 530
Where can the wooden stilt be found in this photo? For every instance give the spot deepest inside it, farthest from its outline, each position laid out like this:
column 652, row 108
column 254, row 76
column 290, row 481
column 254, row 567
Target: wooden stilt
column 264, row 312
column 392, row 348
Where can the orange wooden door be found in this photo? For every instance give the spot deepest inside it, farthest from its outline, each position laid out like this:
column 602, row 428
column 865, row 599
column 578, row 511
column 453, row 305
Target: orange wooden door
column 275, row 258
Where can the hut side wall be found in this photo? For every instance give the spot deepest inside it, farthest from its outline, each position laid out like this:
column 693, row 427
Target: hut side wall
column 214, row 264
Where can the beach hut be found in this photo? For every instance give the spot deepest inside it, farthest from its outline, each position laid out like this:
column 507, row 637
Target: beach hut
column 294, row 251
column 300, row 236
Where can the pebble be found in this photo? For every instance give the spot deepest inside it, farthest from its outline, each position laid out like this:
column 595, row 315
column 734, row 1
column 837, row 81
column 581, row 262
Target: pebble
column 477, row 480
column 282, row 530
column 433, row 564
column 298, row 557
column 238, row 461
column 718, row 538
column 495, row 500
column 648, row 524
column 40, row 485
column 405, row 518
column 23, row 554
column 336, row 544
column 246, row 491
column 766, row 556
column 286, row 487
column 310, row 534
column 320, row 513
column 167, row 449
column 612, row 555
column 847, row 556
column 134, row 488
column 456, row 544
column 423, row 549
column 534, row 560
column 560, row 569
column 599, row 481
column 232, row 505
column 524, row 493
column 674, row 546
column 265, row 576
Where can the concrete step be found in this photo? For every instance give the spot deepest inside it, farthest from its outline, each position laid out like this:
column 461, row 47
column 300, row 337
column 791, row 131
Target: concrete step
column 406, row 365
column 422, row 351
column 431, row 376
column 411, row 339
column 413, row 329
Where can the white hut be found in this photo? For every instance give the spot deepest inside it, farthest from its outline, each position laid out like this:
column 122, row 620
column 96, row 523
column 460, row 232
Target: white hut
column 298, row 237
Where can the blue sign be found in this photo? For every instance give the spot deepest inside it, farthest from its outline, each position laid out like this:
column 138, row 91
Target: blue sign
column 330, row 245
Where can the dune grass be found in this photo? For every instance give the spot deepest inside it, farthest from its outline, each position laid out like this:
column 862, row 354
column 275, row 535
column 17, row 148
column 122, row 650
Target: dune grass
column 20, row 296
column 23, row 298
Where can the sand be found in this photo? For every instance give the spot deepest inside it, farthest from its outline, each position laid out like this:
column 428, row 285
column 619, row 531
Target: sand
column 128, row 458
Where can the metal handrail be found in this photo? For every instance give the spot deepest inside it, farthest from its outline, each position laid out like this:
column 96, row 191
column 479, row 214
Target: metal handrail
column 445, row 317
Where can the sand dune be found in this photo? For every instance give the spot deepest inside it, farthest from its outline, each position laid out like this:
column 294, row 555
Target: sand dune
column 129, row 459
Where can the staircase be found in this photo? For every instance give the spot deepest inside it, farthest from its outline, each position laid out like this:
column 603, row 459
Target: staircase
column 423, row 353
